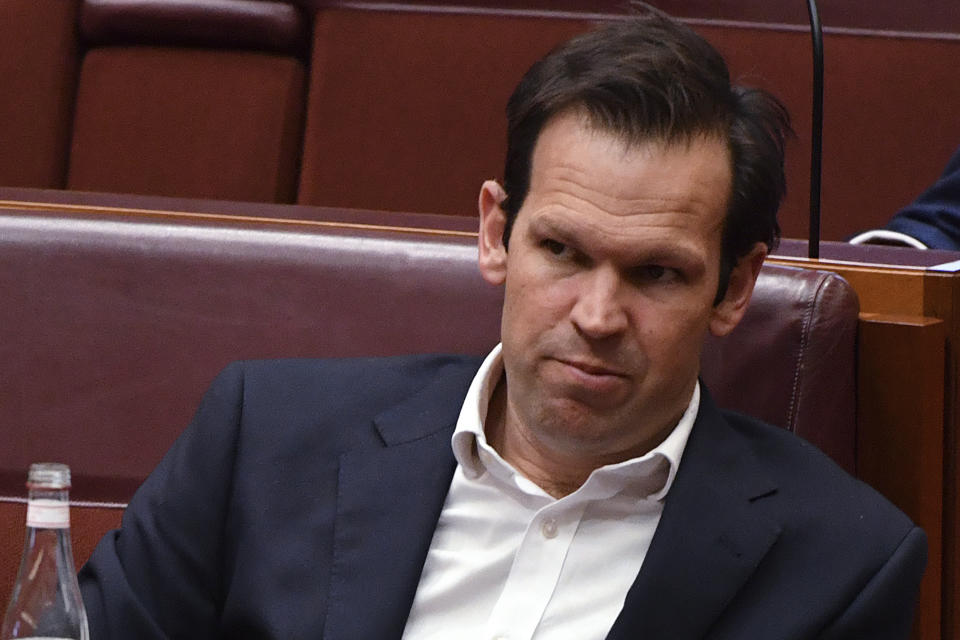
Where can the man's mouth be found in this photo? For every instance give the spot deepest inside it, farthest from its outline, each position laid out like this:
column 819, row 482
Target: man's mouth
column 593, row 369
column 595, row 379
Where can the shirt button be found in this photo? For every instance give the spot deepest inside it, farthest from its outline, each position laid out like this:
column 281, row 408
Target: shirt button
column 549, row 528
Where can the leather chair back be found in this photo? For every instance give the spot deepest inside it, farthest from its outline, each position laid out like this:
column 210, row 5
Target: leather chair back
column 114, row 324
column 190, row 99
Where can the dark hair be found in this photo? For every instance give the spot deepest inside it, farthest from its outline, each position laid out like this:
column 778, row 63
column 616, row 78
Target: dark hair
column 651, row 78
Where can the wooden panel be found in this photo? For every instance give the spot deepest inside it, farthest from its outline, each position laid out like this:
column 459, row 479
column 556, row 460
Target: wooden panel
column 942, row 299
column 917, row 291
column 893, row 290
column 900, row 433
column 13, row 516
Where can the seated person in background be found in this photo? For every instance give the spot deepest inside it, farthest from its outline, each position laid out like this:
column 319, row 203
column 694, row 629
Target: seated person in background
column 578, row 482
column 932, row 221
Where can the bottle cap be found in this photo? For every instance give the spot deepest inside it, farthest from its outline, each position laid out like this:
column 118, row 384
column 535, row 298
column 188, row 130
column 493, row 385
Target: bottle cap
column 52, row 475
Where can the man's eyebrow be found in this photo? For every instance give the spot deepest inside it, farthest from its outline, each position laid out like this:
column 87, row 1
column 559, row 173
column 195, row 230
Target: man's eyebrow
column 672, row 255
column 550, row 227
column 644, row 253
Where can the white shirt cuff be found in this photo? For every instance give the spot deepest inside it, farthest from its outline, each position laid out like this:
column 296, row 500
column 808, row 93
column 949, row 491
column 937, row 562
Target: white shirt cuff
column 885, row 236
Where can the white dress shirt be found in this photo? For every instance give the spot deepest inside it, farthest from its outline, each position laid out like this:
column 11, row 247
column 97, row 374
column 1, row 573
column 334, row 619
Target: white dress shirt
column 508, row 561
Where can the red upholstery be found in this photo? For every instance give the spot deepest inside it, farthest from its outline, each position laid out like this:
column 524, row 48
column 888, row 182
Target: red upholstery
column 426, row 87
column 799, row 335
column 110, row 306
column 136, row 316
column 115, row 324
column 256, row 25
column 406, row 110
column 139, row 315
column 405, row 100
column 932, row 16
column 38, row 67
column 188, row 122
column 193, row 99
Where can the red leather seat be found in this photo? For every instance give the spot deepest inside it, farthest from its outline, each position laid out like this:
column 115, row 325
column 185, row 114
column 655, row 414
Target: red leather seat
column 114, row 324
column 191, row 100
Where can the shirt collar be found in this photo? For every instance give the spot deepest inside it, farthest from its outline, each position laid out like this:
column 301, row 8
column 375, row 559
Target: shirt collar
column 470, row 443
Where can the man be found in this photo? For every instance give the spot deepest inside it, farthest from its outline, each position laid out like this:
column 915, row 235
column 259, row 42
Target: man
column 931, row 221
column 578, row 482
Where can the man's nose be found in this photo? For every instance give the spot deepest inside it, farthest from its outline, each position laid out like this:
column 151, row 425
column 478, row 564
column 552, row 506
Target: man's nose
column 598, row 311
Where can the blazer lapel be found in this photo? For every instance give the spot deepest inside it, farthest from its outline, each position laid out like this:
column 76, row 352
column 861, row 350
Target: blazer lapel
column 388, row 504
column 709, row 540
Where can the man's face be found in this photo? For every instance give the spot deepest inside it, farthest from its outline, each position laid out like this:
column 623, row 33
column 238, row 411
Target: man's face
column 609, row 286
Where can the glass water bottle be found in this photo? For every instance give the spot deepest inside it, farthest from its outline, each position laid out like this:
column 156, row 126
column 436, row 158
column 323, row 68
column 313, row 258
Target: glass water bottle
column 46, row 597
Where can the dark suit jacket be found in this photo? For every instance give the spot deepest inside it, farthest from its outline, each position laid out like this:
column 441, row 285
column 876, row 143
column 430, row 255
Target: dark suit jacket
column 301, row 501
column 934, row 217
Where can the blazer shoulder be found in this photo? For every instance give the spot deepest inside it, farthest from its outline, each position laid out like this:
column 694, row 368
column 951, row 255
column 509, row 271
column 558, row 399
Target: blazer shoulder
column 817, row 491
column 301, row 395
column 409, row 362
column 295, row 380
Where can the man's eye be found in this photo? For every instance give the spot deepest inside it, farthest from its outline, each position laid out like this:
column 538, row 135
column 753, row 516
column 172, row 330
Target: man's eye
column 653, row 272
column 554, row 247
column 656, row 273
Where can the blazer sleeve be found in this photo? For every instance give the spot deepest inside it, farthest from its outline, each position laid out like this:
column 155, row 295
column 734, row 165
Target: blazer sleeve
column 934, row 217
column 883, row 610
column 158, row 576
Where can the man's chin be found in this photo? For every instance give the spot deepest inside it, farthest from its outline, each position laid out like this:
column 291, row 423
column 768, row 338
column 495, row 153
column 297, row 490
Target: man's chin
column 580, row 424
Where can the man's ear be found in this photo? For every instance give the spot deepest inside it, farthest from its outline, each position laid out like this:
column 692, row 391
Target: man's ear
column 493, row 254
column 729, row 311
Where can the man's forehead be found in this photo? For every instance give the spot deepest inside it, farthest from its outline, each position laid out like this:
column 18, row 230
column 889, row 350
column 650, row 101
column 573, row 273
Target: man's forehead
column 623, row 139
column 580, row 166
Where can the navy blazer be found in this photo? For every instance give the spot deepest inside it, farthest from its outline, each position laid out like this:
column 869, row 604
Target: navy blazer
column 934, row 217
column 301, row 501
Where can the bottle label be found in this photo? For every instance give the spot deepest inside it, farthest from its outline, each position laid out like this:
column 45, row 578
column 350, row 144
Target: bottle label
column 48, row 514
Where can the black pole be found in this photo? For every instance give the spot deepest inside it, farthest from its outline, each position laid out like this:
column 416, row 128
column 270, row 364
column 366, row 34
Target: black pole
column 816, row 132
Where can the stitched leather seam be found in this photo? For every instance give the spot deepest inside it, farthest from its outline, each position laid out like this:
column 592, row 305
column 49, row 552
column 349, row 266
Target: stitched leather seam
column 805, row 330
column 222, row 217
